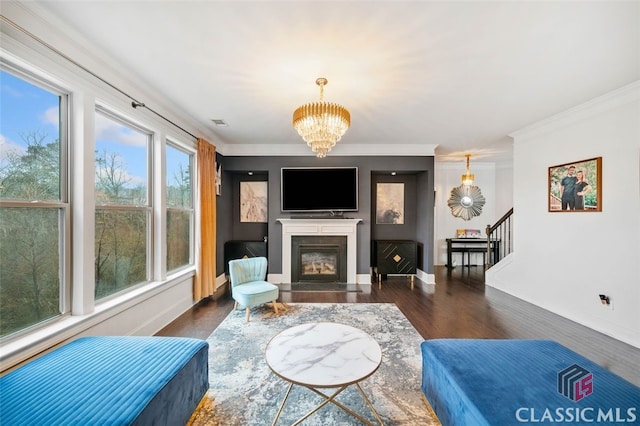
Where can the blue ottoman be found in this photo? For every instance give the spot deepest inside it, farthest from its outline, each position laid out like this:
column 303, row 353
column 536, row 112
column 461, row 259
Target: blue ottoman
column 506, row 382
column 109, row 381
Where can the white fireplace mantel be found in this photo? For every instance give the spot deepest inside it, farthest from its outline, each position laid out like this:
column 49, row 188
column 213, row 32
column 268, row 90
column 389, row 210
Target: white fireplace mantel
column 319, row 227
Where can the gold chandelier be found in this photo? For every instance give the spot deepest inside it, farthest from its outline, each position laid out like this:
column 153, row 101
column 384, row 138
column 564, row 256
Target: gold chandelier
column 468, row 177
column 466, row 201
column 321, row 124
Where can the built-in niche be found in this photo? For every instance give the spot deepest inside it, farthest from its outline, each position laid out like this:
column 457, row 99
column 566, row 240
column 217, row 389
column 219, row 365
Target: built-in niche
column 394, row 206
column 250, row 214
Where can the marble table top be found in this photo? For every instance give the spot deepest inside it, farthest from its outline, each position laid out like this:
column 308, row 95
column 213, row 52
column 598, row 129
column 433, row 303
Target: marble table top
column 323, row 354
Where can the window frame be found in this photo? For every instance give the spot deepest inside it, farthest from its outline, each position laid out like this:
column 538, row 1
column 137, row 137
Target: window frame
column 170, row 143
column 63, row 204
column 148, row 209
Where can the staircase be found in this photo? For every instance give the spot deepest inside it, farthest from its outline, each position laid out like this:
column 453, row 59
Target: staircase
column 501, row 233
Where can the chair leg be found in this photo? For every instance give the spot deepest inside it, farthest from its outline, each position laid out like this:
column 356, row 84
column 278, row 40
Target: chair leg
column 235, row 305
column 275, row 306
column 248, row 313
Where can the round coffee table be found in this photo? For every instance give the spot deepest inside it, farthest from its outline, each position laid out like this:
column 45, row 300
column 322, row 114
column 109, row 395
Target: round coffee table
column 324, row 355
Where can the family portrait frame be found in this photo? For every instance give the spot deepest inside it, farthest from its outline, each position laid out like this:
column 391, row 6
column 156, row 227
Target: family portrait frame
column 576, row 186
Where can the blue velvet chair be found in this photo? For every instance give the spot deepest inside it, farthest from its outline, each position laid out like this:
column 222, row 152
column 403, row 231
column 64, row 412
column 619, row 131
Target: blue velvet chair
column 248, row 285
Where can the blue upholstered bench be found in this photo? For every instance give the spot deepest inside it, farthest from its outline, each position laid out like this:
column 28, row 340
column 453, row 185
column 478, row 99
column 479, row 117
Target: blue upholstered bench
column 506, row 382
column 108, row 381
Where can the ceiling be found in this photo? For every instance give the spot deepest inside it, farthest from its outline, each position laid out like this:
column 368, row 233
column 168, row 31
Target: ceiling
column 456, row 76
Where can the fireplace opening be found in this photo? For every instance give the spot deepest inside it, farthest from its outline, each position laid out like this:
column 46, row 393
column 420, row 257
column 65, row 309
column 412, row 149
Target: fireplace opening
column 319, row 259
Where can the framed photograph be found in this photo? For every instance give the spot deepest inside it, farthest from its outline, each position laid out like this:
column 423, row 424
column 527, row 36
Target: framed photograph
column 253, row 201
column 390, row 204
column 576, row 186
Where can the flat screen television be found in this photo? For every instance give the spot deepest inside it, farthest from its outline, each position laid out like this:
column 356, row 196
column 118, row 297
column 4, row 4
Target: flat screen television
column 319, row 189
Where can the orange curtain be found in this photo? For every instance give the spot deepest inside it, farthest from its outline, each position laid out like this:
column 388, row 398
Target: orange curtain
column 205, row 282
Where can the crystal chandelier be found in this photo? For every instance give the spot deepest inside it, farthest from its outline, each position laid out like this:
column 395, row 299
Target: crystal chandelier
column 468, row 178
column 321, row 124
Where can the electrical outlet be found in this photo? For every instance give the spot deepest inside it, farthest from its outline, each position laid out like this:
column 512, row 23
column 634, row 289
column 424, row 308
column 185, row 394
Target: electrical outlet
column 608, row 303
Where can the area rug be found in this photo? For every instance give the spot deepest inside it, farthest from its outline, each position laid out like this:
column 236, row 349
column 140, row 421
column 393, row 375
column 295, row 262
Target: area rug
column 244, row 391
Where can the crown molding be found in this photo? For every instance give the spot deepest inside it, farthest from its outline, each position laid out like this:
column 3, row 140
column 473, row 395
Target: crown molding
column 622, row 96
column 341, row 149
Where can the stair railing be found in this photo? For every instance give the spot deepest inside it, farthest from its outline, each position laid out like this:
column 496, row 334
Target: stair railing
column 499, row 239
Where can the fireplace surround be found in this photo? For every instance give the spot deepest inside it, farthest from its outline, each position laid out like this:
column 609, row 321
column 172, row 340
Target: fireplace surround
column 319, row 227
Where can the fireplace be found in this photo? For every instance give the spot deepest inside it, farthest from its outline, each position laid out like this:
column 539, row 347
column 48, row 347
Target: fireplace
column 319, row 259
column 319, row 228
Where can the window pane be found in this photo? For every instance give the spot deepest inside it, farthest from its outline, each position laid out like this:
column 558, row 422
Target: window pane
column 178, row 238
column 29, row 141
column 29, row 267
column 121, row 163
column 180, row 208
column 121, row 250
column 178, row 178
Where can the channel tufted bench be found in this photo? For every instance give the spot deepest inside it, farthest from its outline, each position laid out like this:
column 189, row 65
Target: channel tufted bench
column 505, row 382
column 109, row 380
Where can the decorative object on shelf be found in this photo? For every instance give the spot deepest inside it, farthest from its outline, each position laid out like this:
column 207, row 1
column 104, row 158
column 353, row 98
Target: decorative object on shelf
column 321, row 124
column 466, row 201
column 468, row 233
column 218, row 178
column 390, row 204
column 253, row 201
column 576, row 186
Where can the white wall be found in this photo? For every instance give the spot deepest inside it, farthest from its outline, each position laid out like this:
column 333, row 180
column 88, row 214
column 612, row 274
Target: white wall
column 495, row 183
column 562, row 261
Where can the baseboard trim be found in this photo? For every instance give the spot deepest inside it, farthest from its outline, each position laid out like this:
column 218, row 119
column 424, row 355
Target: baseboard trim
column 221, row 280
column 426, row 278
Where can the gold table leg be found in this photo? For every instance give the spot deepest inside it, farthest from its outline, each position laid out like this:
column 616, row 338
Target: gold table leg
column 282, row 405
column 331, row 398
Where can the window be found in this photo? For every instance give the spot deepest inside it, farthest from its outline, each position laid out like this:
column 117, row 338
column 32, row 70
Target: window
column 123, row 210
column 38, row 218
column 33, row 201
column 180, row 211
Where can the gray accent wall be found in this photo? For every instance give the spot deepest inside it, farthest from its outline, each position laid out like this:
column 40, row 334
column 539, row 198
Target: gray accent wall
column 417, row 173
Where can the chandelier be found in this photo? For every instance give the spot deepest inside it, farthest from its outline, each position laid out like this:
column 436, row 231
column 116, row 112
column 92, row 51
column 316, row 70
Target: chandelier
column 468, row 178
column 321, row 124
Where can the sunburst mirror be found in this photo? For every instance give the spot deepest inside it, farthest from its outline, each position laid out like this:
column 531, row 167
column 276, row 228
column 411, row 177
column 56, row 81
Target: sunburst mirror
column 466, row 201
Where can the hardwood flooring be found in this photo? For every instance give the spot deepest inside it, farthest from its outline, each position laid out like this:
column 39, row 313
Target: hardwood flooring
column 458, row 306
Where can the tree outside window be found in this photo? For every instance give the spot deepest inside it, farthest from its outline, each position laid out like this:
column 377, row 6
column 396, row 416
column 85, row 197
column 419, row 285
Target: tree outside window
column 122, row 205
column 180, row 211
column 32, row 203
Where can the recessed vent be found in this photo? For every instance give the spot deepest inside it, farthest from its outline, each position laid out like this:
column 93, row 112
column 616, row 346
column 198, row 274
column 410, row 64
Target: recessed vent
column 219, row 122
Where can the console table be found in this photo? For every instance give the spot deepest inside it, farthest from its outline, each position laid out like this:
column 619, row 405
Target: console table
column 395, row 257
column 471, row 245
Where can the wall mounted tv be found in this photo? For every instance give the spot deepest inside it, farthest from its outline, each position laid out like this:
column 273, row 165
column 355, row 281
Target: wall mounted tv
column 319, row 189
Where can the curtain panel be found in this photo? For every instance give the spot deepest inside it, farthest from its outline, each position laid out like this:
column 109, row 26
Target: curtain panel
column 205, row 282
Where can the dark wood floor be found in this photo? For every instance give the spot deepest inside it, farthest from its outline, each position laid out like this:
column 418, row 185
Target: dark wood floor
column 459, row 306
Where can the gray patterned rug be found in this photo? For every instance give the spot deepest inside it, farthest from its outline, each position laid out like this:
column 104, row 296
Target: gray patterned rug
column 244, row 391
